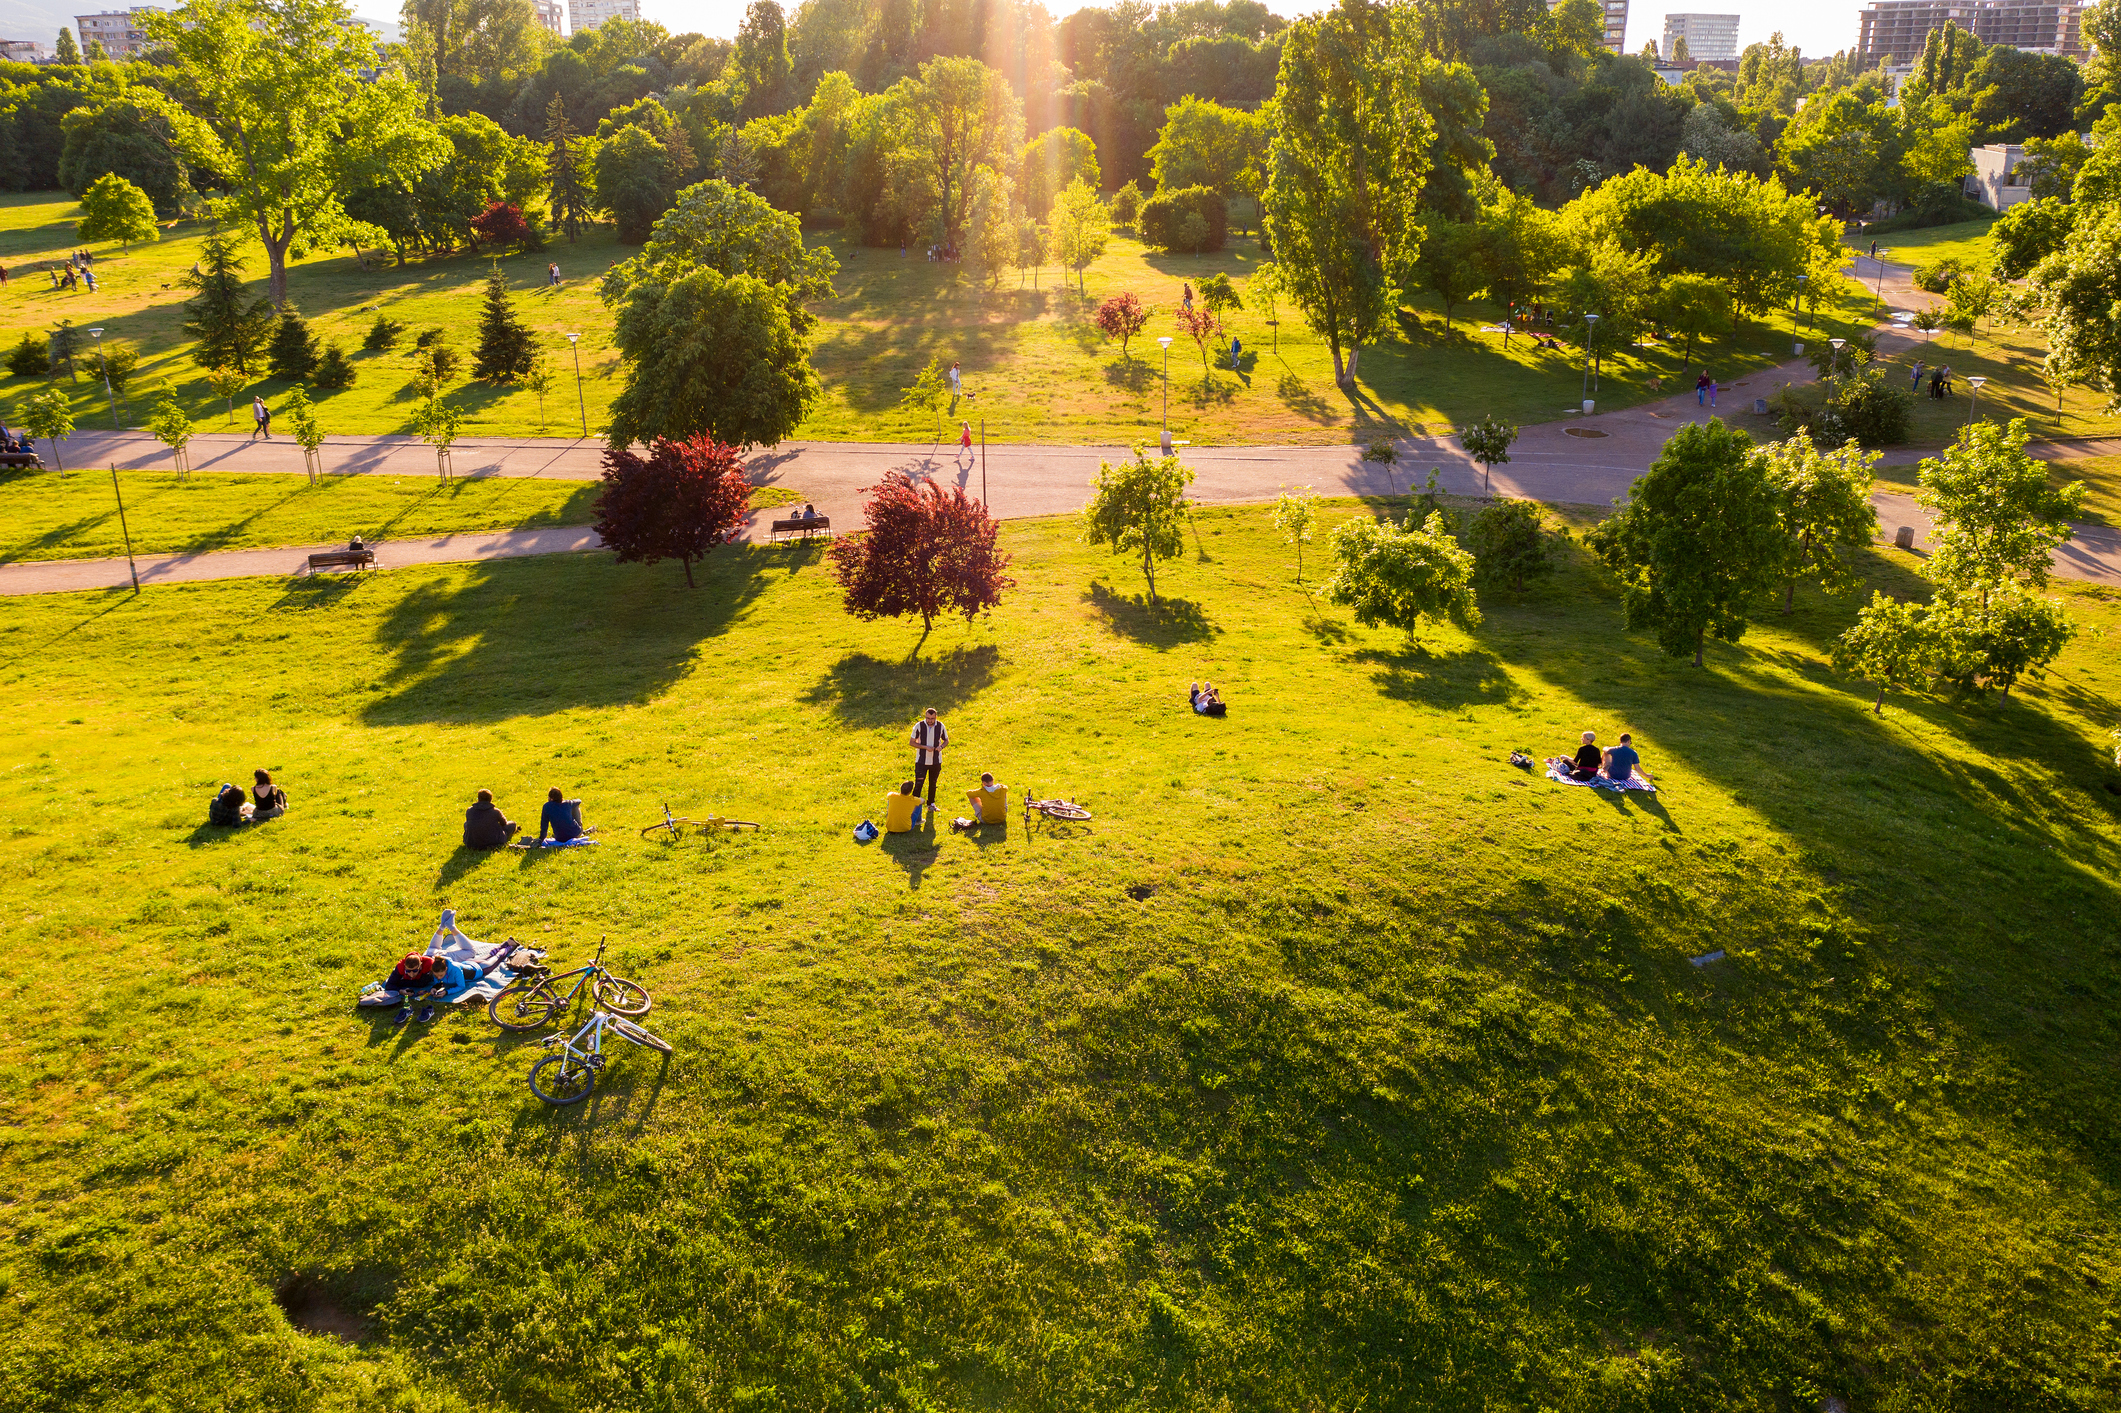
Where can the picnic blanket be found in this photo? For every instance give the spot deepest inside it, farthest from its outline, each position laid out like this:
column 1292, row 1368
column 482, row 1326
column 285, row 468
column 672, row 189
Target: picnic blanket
column 449, row 942
column 551, row 843
column 1558, row 768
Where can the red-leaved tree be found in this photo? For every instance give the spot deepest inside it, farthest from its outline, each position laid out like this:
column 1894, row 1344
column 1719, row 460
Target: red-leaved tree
column 1201, row 325
column 503, row 223
column 677, row 502
column 1122, row 317
column 924, row 552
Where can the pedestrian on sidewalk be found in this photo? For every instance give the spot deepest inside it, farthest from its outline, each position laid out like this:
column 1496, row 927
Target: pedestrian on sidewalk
column 261, row 416
column 964, row 446
column 1703, row 387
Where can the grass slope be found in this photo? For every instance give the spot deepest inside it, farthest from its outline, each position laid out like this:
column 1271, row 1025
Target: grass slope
column 1964, row 241
column 1334, row 1064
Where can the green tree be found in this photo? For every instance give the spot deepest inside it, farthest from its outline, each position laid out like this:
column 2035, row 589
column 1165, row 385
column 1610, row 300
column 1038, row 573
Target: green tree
column 636, row 182
column 114, row 209
column 301, row 414
column 1576, row 27
column 1451, row 264
column 50, row 415
column 1509, row 544
column 1845, row 149
column 1050, row 163
column 506, row 349
column 1218, row 296
column 2030, row 232
column 1994, row 637
column 1349, row 154
column 761, row 66
column 1295, row 515
column 272, row 98
column 226, row 383
column 1700, row 540
column 66, row 51
column 1521, row 246
column 927, row 392
column 230, row 329
column 1399, row 576
column 1693, row 305
column 711, row 353
column 171, row 427
column 1136, row 507
column 970, row 119
column 294, row 351
column 438, row 424
column 1997, row 518
column 565, row 188
column 1265, row 287
column 1206, row 144
column 1080, row 229
column 1890, row 644
column 990, row 231
column 1488, row 442
column 1826, row 510
column 541, row 379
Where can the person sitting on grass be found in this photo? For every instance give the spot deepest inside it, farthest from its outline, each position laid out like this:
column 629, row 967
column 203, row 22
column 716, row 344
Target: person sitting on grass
column 1588, row 759
column 485, row 827
column 902, row 810
column 229, row 808
column 990, row 802
column 268, row 801
column 562, row 819
column 1622, row 760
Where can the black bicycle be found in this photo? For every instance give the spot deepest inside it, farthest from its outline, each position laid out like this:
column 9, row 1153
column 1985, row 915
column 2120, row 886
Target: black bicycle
column 535, row 998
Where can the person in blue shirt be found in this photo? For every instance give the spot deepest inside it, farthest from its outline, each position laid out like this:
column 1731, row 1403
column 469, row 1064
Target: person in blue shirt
column 562, row 819
column 1622, row 759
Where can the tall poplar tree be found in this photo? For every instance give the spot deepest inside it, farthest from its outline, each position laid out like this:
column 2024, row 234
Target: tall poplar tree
column 571, row 201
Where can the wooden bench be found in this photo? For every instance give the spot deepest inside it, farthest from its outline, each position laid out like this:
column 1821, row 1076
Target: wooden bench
column 818, row 524
column 343, row 559
column 20, row 461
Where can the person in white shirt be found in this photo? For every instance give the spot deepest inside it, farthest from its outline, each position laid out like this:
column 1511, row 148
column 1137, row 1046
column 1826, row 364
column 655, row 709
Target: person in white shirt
column 929, row 739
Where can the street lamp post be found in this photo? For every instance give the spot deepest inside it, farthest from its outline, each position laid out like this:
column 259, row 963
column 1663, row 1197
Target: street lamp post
column 1165, row 344
column 1590, row 326
column 574, row 342
column 1834, row 367
column 1880, row 258
column 1973, row 386
column 1797, row 299
column 104, row 369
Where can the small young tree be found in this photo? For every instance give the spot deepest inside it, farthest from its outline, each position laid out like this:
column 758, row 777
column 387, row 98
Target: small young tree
column 48, row 415
column 1928, row 319
column 1218, row 296
column 301, row 414
column 383, row 334
column 1488, row 442
column 678, row 502
column 923, row 552
column 1121, row 317
column 1265, row 287
column 1199, row 325
column 114, row 209
column 438, row 424
column 541, row 379
column 30, row 358
column 1295, row 513
column 1890, row 644
column 505, row 346
column 1508, row 543
column 1399, row 576
column 226, row 383
column 991, row 233
column 293, row 354
column 1127, row 204
column 928, row 392
column 1826, row 510
column 173, row 429
column 1998, row 520
column 1700, row 540
column 334, row 370
column 1993, row 638
column 1137, row 507
column 1079, row 230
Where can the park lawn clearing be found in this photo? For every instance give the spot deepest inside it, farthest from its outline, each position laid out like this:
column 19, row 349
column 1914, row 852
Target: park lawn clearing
column 1964, row 241
column 2009, row 357
column 2102, row 484
column 74, row 515
column 1334, row 1063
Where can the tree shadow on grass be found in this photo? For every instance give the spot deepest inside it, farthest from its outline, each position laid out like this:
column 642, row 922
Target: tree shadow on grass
column 1441, row 680
column 1165, row 624
column 1132, row 375
column 1297, row 396
column 867, row 691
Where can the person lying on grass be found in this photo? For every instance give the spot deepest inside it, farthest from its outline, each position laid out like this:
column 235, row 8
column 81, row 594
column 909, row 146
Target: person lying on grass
column 1588, row 759
column 1207, row 701
column 902, row 810
column 418, row 974
column 1622, row 760
column 562, row 819
column 990, row 802
column 267, row 800
column 485, row 827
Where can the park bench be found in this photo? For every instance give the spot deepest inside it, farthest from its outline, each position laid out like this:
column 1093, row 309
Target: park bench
column 20, row 461
column 818, row 524
column 343, row 559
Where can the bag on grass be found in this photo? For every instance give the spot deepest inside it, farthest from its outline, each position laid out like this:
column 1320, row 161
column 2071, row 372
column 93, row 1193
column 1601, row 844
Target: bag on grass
column 865, row 832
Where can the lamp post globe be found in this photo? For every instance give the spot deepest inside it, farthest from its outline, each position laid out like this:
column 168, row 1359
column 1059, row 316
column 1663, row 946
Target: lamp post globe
column 1973, row 385
column 96, row 335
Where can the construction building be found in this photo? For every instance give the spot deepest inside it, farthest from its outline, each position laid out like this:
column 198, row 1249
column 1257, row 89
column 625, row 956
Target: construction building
column 1706, row 36
column 1893, row 31
column 119, row 31
column 588, row 14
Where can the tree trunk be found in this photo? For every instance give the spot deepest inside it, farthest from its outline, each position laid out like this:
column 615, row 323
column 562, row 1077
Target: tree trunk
column 1149, row 571
column 687, row 560
column 1878, row 709
column 1699, row 635
column 1789, row 597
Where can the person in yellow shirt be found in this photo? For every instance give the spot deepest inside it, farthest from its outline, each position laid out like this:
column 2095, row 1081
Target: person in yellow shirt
column 990, row 802
column 902, row 810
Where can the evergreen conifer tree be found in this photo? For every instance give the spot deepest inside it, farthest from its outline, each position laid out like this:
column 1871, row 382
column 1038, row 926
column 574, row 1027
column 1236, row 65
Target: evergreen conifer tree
column 505, row 348
column 294, row 353
column 67, row 52
column 231, row 329
column 563, row 167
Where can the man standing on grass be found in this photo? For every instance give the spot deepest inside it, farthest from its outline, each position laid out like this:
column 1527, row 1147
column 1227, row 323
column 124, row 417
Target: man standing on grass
column 929, row 738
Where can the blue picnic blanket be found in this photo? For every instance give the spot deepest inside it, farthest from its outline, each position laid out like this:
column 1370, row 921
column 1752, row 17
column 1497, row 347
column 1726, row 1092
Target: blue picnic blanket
column 465, row 956
column 1558, row 768
column 550, row 843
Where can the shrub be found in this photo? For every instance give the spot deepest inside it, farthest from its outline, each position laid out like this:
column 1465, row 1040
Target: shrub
column 293, row 352
column 1938, row 276
column 30, row 358
column 428, row 338
column 1508, row 544
column 119, row 361
column 1868, row 407
column 1937, row 204
column 1127, row 205
column 383, row 334
column 334, row 369
column 1165, row 224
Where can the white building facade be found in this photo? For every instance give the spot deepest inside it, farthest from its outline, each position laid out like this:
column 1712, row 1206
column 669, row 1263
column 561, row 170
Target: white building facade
column 118, row 30
column 1706, row 36
column 588, row 14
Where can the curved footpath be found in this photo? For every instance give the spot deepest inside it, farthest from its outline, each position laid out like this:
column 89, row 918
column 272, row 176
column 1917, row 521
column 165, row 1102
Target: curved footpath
column 1576, row 460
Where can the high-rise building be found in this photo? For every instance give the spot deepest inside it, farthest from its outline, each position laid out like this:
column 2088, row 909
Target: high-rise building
column 551, row 14
column 119, row 30
column 1616, row 23
column 1706, row 36
column 1893, row 31
column 588, row 14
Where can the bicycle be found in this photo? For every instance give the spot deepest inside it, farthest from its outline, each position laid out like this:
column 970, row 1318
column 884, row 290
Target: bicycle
column 579, row 1065
column 678, row 824
column 1054, row 809
column 534, row 999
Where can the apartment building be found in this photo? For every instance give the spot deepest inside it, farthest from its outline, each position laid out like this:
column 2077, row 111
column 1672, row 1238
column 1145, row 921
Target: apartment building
column 1616, row 23
column 1894, row 30
column 23, row 51
column 551, row 14
column 588, row 14
column 119, row 30
column 1707, row 36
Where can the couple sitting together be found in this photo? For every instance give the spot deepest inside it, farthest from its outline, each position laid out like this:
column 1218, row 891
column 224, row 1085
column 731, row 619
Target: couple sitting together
column 485, row 827
column 1207, row 701
column 1614, row 765
column 902, row 808
column 230, row 807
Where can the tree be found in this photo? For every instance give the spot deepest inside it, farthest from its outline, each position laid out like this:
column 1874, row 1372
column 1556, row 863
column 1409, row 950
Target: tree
column 1693, row 305
column 1345, row 171
column 1679, row 58
column 1052, row 162
column 1488, row 442
column 990, row 234
column 226, row 383
column 1121, row 317
column 301, row 415
column 1973, row 297
column 1206, row 144
column 1995, row 636
column 1080, row 228
column 1508, row 543
column 1136, row 507
column 1199, row 325
column 927, row 393
column 722, row 227
column 66, row 51
column 114, row 209
column 1891, row 644
column 1521, row 245
column 172, row 428
column 1699, row 541
column 503, row 223
column 2030, row 232
column 970, row 119
column 1295, row 513
column 541, row 380
column 272, row 98
column 1451, row 263
column 334, row 370
column 1398, row 576
column 506, row 349
column 636, row 182
column 711, row 354
column 230, row 330
column 761, row 64
column 678, row 502
column 1265, row 286
column 1218, row 296
column 567, row 192
column 923, row 552
column 48, row 415
column 1826, row 509
column 1998, row 520
column 437, row 422
column 293, row 352
column 30, row 358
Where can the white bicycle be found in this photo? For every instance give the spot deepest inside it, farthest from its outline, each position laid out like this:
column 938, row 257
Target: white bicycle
column 566, row 1077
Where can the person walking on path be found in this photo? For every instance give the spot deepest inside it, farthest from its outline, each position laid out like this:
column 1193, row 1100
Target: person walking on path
column 964, row 442
column 261, row 417
column 956, row 379
column 929, row 739
column 1186, row 298
column 1704, row 390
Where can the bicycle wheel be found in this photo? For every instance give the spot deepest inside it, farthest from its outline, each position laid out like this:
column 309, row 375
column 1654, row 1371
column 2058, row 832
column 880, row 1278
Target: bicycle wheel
column 628, row 998
column 523, row 1005
column 567, row 1079
column 639, row 1036
column 1062, row 809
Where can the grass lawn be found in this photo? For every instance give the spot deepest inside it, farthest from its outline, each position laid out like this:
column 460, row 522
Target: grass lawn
column 1035, row 367
column 2009, row 357
column 1965, row 241
column 1334, row 1064
column 74, row 515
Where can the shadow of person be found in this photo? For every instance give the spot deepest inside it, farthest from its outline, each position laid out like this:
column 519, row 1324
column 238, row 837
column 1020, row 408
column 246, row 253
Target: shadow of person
column 464, row 860
column 212, row 833
column 987, row 835
column 1646, row 801
column 915, row 851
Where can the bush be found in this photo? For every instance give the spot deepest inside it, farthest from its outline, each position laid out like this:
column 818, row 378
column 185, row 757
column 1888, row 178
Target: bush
column 430, row 337
column 383, row 334
column 119, row 361
column 1165, row 224
column 1127, row 205
column 1939, row 276
column 1868, row 407
column 293, row 353
column 1937, row 204
column 446, row 361
column 334, row 369
column 30, row 358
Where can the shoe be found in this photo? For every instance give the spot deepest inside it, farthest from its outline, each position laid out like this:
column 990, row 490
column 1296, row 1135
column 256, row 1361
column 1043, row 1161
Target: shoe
column 404, row 1014
column 427, row 1013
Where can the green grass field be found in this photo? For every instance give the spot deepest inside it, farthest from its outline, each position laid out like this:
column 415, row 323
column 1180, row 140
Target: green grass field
column 1334, row 1064
column 1035, row 366
column 1965, row 241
